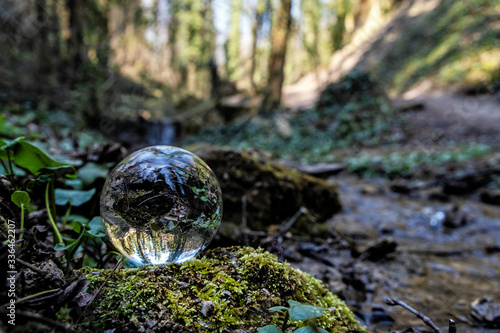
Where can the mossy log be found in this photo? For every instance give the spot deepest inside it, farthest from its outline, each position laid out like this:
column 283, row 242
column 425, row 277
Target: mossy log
column 227, row 290
column 274, row 192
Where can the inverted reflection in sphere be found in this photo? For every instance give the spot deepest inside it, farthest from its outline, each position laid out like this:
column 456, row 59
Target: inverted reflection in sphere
column 161, row 204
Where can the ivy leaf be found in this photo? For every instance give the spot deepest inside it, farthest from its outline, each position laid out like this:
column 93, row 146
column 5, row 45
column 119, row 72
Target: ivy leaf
column 21, row 199
column 97, row 228
column 76, row 226
column 300, row 311
column 269, row 329
column 74, row 197
column 31, row 158
column 91, row 229
column 91, row 171
column 278, row 308
column 71, row 245
column 78, row 218
column 7, row 145
column 64, row 170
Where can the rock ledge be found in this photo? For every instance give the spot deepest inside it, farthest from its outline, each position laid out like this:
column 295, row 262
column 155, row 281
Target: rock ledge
column 226, row 290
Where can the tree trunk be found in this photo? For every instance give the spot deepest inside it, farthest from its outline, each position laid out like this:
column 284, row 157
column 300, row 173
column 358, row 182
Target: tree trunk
column 42, row 38
column 259, row 16
column 173, row 29
column 75, row 45
column 215, row 81
column 312, row 17
column 55, row 30
column 191, row 75
column 207, row 53
column 233, row 43
column 339, row 28
column 362, row 12
column 279, row 38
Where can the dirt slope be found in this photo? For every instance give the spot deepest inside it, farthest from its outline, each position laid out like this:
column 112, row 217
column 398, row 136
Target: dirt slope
column 389, row 47
column 423, row 46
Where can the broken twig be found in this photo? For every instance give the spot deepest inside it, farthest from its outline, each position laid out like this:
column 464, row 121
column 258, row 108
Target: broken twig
column 425, row 319
column 451, row 327
column 283, row 229
column 32, row 267
column 118, row 264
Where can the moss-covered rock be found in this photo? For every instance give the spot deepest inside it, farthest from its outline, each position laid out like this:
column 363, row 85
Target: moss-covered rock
column 274, row 192
column 227, row 290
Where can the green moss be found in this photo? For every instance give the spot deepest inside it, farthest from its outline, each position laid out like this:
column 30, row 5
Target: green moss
column 273, row 192
column 235, row 287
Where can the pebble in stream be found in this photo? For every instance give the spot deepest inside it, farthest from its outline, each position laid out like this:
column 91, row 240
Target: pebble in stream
column 161, row 204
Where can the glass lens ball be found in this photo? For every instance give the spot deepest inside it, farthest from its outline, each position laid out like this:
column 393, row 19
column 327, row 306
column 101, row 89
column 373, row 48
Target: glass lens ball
column 161, row 204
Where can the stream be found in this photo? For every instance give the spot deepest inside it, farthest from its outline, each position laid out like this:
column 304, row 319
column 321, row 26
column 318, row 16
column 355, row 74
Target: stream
column 447, row 256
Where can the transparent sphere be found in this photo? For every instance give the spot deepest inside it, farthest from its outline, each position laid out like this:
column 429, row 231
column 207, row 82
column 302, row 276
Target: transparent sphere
column 161, row 204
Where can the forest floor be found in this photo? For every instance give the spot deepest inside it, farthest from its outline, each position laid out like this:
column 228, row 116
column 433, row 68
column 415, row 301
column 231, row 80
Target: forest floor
column 447, row 245
column 414, row 238
column 436, row 115
column 438, row 257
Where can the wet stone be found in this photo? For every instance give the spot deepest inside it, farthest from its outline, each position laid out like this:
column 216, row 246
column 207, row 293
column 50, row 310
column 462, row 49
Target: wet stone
column 491, row 197
column 485, row 310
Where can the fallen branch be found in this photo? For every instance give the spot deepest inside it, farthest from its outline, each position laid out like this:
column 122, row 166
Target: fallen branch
column 425, row 319
column 283, row 229
column 118, row 264
column 32, row 267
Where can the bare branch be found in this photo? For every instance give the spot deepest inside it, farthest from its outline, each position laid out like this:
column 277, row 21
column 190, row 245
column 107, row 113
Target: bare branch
column 425, row 319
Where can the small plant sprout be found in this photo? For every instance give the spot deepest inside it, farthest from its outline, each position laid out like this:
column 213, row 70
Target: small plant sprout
column 22, row 200
column 21, row 160
column 297, row 312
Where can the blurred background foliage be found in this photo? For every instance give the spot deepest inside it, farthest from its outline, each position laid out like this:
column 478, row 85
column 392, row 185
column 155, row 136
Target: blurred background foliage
column 212, row 65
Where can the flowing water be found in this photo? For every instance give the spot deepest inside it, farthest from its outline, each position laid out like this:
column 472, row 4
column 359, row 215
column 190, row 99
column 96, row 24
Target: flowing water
column 437, row 269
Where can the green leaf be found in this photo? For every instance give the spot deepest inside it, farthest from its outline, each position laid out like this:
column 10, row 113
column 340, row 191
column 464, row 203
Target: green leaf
column 97, row 228
column 74, row 197
column 196, row 190
column 278, row 308
column 78, row 218
column 269, row 329
column 64, row 170
column 21, row 199
column 71, row 245
column 170, row 226
column 91, row 229
column 76, row 184
column 309, row 329
column 91, row 171
column 76, row 225
column 30, row 157
column 300, row 311
column 7, row 145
